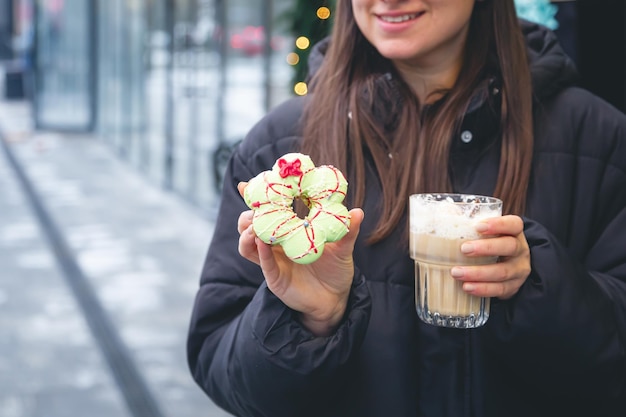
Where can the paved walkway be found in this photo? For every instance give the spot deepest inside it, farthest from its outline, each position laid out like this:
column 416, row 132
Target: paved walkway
column 98, row 269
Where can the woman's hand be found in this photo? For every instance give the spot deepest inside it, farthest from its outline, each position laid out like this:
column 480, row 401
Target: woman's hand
column 320, row 290
column 503, row 279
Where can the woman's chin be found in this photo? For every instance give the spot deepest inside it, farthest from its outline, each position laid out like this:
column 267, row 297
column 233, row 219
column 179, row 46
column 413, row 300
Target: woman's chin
column 398, row 52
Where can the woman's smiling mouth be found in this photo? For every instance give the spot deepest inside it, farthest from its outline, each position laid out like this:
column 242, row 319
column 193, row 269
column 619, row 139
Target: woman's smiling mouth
column 399, row 18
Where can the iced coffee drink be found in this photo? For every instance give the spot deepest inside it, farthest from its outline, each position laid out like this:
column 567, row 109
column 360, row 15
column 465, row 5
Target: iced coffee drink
column 439, row 224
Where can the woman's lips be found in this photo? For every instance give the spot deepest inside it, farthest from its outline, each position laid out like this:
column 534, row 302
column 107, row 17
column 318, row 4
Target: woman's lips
column 399, row 18
column 397, row 22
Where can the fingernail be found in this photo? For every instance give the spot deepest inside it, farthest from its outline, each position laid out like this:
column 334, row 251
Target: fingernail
column 482, row 227
column 467, row 248
column 467, row 287
column 456, row 272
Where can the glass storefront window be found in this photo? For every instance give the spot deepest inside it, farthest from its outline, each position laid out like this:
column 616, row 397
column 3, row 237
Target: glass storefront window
column 121, row 78
column 64, row 83
column 179, row 82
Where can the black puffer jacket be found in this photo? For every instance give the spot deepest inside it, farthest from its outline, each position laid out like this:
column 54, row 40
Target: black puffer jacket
column 556, row 349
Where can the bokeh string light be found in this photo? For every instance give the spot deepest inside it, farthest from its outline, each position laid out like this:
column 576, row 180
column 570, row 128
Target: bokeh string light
column 311, row 24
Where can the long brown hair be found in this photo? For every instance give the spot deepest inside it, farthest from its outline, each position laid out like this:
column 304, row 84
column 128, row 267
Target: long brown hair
column 342, row 123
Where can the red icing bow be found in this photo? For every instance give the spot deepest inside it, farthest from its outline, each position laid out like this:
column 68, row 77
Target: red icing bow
column 288, row 169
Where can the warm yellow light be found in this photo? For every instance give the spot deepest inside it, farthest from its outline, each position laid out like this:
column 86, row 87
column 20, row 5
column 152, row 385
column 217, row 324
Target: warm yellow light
column 323, row 13
column 303, row 42
column 293, row 58
column 300, row 89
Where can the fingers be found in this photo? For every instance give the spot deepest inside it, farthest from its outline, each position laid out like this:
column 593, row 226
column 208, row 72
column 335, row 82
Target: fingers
column 247, row 245
column 503, row 225
column 501, row 290
column 502, row 246
column 497, row 280
column 245, row 220
column 496, row 272
column 505, row 239
column 270, row 267
column 501, row 279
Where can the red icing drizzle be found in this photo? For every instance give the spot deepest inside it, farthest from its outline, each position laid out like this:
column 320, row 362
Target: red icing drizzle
column 310, row 234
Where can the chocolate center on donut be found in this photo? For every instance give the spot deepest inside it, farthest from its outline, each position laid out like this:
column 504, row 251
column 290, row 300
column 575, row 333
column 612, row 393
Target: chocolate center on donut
column 300, row 207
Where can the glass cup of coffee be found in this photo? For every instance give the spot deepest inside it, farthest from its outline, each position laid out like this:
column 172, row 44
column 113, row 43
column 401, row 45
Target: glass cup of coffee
column 439, row 224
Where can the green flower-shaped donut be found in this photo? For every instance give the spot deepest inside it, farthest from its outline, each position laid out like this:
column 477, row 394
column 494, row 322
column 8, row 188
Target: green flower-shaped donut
column 271, row 194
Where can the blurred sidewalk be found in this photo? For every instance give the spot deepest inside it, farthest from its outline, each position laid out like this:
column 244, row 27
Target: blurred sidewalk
column 98, row 270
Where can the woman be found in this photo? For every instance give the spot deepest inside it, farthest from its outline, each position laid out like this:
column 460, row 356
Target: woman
column 413, row 96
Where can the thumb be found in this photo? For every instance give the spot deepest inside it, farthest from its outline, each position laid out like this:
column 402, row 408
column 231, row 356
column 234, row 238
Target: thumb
column 356, row 218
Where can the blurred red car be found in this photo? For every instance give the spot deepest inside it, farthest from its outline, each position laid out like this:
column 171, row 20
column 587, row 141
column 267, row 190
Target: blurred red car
column 250, row 40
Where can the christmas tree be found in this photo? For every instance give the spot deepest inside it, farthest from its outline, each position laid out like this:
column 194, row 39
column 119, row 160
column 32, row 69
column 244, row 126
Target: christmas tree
column 311, row 21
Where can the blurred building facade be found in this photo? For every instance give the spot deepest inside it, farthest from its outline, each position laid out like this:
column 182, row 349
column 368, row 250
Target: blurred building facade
column 169, row 84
